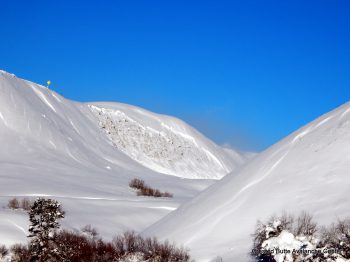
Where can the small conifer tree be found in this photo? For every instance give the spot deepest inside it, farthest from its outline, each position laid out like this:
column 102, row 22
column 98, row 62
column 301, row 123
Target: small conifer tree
column 43, row 216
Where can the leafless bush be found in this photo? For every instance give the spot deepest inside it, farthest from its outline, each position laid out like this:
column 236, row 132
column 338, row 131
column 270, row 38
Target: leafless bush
column 273, row 227
column 91, row 250
column 131, row 242
column 334, row 239
column 303, row 226
column 286, row 222
column 89, row 230
column 167, row 194
column 137, row 183
column 24, row 204
column 20, row 253
column 3, row 251
column 13, row 203
column 337, row 236
column 77, row 247
column 149, row 248
column 144, row 190
column 259, row 236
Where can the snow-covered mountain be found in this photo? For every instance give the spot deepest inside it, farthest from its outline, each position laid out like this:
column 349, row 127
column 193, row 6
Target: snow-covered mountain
column 307, row 171
column 85, row 154
column 161, row 143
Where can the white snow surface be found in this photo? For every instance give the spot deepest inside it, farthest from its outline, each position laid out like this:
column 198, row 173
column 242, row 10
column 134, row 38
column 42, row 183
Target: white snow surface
column 162, row 143
column 54, row 147
column 307, row 171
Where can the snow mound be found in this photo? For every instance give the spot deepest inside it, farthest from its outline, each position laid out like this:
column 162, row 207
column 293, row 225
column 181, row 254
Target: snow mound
column 308, row 170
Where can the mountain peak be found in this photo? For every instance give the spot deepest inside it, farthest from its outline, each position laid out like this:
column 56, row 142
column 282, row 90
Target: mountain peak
column 3, row 72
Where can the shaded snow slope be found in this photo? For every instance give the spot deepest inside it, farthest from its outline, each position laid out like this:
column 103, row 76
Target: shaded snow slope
column 51, row 146
column 309, row 170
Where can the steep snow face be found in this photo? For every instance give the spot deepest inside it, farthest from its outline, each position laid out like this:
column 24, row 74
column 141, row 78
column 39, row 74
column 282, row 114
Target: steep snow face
column 308, row 170
column 166, row 145
column 54, row 147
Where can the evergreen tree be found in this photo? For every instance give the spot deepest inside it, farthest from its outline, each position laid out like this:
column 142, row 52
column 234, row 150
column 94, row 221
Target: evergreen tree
column 43, row 216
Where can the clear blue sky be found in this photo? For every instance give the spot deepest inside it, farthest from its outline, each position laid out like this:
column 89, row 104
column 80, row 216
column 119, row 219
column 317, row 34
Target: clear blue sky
column 246, row 73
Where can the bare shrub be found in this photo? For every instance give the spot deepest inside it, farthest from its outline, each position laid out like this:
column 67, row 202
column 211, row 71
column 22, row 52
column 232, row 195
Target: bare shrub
column 74, row 247
column 3, row 251
column 304, row 225
column 13, row 203
column 131, row 242
column 144, row 190
column 259, row 236
column 123, row 246
column 77, row 247
column 168, row 252
column 149, row 248
column 137, row 183
column 25, row 204
column 20, row 253
column 157, row 193
column 148, row 191
column 302, row 228
column 167, row 194
column 286, row 222
column 105, row 251
column 273, row 227
column 330, row 243
column 89, row 230
column 337, row 236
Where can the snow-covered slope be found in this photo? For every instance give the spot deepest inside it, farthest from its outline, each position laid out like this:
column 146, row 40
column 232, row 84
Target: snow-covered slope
column 309, row 170
column 85, row 155
column 162, row 143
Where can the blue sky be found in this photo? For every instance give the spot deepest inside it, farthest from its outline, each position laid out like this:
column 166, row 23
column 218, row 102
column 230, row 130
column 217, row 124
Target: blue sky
column 245, row 73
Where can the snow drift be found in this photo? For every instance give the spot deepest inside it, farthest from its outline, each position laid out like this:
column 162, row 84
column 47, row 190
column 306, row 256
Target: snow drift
column 308, row 170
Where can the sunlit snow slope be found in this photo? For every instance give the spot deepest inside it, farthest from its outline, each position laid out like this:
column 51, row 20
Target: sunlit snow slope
column 309, row 170
column 84, row 155
column 162, row 143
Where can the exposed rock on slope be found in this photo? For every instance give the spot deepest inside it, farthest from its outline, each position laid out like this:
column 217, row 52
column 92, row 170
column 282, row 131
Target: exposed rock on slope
column 166, row 145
